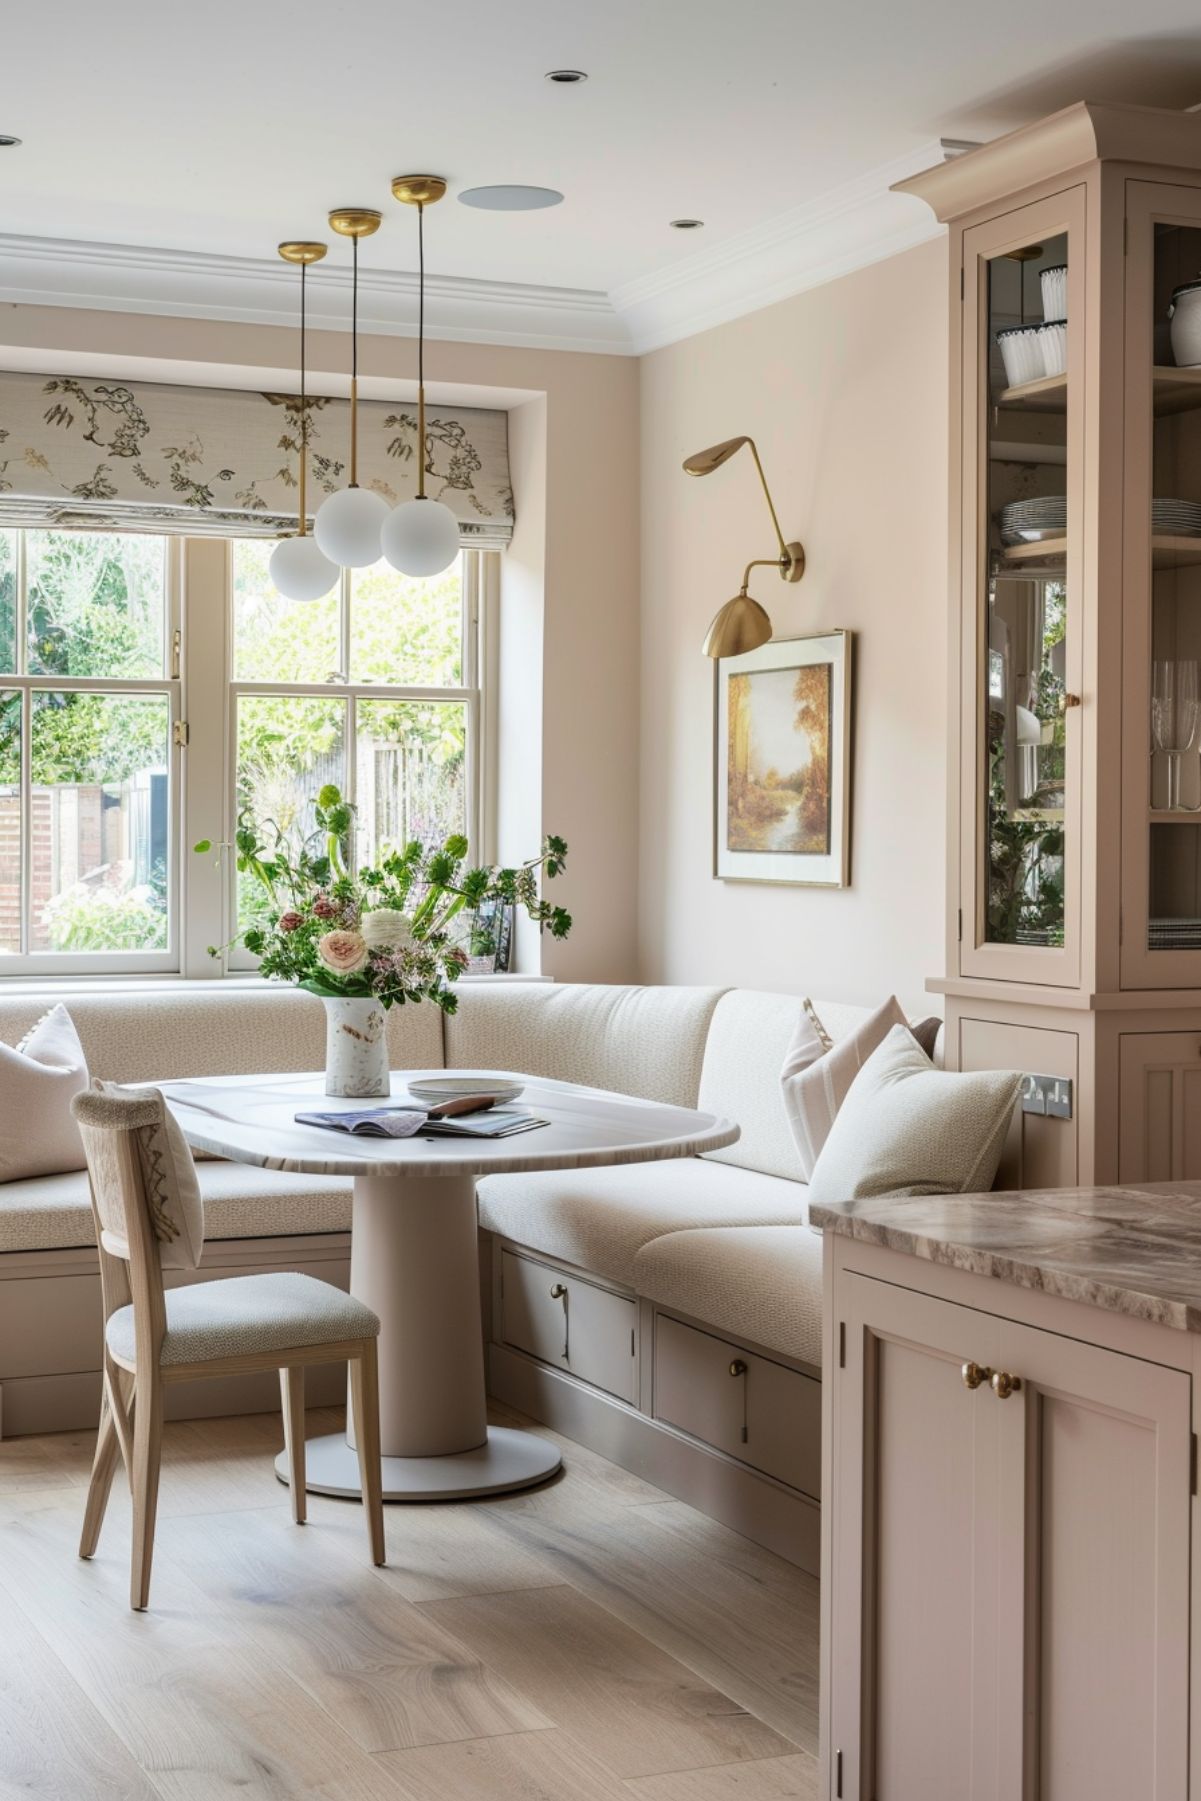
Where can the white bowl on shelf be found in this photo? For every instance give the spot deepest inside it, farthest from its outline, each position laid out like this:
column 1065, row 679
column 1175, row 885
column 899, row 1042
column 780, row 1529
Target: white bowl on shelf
column 1054, row 283
column 1021, row 351
column 1185, row 314
column 1053, row 344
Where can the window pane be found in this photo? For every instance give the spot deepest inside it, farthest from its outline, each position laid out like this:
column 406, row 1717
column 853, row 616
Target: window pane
column 10, row 823
column 405, row 631
column 410, row 775
column 289, row 746
column 8, row 600
column 275, row 639
column 97, row 603
column 100, row 822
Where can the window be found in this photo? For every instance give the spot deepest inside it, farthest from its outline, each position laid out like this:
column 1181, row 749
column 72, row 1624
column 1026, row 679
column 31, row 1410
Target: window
column 377, row 687
column 89, row 694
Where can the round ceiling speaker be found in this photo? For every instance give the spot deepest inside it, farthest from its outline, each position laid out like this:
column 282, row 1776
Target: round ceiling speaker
column 510, row 198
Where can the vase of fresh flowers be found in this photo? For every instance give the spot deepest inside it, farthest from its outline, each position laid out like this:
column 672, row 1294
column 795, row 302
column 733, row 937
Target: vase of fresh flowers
column 368, row 939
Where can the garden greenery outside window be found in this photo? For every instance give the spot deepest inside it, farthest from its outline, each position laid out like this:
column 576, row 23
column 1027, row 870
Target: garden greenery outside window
column 377, row 688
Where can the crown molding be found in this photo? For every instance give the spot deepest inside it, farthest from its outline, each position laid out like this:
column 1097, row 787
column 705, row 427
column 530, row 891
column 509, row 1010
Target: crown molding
column 851, row 226
column 190, row 284
column 858, row 223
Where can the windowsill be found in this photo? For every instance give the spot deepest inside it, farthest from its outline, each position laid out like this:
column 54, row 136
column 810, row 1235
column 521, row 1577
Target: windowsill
column 166, row 984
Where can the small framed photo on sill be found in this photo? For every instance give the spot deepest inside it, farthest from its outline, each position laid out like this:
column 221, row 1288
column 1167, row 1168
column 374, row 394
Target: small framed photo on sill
column 782, row 756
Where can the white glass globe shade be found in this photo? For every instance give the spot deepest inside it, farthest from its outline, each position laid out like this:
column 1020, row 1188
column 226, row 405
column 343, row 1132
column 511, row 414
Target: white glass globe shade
column 348, row 525
column 420, row 537
column 300, row 571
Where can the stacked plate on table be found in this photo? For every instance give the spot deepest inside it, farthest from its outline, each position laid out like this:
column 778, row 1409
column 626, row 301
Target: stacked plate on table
column 1176, row 518
column 1174, row 934
column 1029, row 521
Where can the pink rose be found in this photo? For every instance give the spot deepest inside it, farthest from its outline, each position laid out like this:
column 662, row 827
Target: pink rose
column 288, row 922
column 345, row 953
column 324, row 907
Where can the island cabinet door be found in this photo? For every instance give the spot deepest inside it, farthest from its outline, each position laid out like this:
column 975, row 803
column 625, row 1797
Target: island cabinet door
column 915, row 1554
column 1096, row 1500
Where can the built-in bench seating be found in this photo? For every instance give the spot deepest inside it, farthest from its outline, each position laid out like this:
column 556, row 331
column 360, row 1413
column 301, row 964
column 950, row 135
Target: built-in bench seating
column 694, row 1287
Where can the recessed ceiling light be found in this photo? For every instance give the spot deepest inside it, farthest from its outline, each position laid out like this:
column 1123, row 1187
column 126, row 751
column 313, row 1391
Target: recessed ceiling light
column 566, row 78
column 7, row 142
column 509, row 198
column 687, row 224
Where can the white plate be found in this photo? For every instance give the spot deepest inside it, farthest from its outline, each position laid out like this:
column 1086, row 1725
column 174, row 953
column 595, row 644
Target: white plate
column 437, row 1089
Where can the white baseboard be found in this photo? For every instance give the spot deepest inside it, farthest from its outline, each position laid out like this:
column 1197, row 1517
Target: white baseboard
column 765, row 1511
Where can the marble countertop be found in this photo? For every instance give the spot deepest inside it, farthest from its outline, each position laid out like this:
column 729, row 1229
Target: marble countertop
column 1130, row 1250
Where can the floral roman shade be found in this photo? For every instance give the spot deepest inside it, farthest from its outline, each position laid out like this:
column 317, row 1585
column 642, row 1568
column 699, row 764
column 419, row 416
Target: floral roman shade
column 147, row 456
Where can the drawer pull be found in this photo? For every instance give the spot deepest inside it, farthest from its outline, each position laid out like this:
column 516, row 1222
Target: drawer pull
column 975, row 1375
column 739, row 1368
column 1004, row 1385
column 559, row 1293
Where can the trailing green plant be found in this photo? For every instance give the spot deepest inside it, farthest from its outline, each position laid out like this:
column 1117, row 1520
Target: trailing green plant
column 381, row 932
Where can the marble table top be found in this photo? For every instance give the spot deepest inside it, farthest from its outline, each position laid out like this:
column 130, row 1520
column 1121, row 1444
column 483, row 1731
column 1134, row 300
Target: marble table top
column 1130, row 1250
column 250, row 1119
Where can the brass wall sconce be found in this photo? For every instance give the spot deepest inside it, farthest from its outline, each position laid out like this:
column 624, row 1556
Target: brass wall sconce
column 742, row 624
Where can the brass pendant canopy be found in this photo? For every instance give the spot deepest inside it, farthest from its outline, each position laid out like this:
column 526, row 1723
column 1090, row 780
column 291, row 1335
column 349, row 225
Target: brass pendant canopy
column 418, row 190
column 355, row 221
column 741, row 625
column 302, row 251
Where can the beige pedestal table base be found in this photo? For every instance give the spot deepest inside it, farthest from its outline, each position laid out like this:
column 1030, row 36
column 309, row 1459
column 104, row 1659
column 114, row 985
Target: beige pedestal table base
column 414, row 1261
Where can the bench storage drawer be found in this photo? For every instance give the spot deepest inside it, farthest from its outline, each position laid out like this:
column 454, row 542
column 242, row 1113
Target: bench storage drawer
column 716, row 1391
column 569, row 1323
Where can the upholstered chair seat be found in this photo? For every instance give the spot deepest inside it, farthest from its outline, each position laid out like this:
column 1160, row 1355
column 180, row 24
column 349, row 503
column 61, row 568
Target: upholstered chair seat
column 243, row 1315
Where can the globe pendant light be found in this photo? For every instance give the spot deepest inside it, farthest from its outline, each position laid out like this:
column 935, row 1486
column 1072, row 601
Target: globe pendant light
column 348, row 524
column 420, row 537
column 298, row 567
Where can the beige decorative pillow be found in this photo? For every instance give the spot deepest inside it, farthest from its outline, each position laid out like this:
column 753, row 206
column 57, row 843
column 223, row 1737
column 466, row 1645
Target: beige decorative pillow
column 818, row 1073
column 908, row 1128
column 39, row 1079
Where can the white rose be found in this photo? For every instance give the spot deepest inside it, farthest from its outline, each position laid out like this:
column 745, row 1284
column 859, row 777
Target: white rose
column 387, row 929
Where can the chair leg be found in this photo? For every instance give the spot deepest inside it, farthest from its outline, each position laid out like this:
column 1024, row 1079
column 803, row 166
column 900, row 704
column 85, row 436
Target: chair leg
column 364, row 1400
column 291, row 1388
column 104, row 1464
column 147, row 1460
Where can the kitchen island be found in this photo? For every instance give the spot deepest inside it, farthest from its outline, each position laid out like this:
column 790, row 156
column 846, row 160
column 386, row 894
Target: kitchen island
column 1009, row 1507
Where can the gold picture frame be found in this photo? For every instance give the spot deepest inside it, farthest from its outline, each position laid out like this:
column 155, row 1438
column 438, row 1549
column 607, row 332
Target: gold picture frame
column 782, row 730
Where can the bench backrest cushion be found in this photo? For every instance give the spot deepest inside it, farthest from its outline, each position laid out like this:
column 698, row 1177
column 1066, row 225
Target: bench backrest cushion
column 748, row 1040
column 643, row 1041
column 161, row 1035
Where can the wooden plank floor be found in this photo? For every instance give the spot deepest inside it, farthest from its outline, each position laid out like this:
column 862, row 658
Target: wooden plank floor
column 592, row 1640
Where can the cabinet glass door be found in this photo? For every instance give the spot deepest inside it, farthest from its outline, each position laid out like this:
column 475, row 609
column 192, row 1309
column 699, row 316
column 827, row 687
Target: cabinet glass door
column 1023, row 353
column 1161, row 597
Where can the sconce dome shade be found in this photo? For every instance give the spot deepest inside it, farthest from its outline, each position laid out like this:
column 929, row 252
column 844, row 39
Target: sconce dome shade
column 420, row 537
column 706, row 461
column 741, row 625
column 299, row 569
column 347, row 527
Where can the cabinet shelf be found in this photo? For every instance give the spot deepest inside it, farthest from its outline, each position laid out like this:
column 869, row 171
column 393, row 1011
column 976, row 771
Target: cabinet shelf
column 1161, row 816
column 1167, row 552
column 1174, row 391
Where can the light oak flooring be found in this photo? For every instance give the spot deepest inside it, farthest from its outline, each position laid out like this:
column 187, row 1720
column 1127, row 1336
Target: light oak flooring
column 593, row 1640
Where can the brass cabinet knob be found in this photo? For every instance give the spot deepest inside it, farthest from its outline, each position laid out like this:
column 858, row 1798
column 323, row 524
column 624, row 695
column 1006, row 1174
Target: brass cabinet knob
column 738, row 1367
column 558, row 1291
column 1004, row 1385
column 1067, row 701
column 975, row 1375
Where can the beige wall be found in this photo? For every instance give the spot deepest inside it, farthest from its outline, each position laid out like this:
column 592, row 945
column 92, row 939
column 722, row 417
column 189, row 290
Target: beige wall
column 576, row 440
column 844, row 390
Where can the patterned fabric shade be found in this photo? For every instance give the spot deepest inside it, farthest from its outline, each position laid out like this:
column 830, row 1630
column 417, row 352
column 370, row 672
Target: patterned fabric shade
column 221, row 462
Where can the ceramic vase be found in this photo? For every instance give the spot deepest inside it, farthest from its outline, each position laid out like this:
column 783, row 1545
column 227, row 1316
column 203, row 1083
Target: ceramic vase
column 356, row 1049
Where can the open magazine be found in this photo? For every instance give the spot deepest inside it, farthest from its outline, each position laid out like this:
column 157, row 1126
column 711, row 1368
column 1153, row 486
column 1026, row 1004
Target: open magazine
column 408, row 1122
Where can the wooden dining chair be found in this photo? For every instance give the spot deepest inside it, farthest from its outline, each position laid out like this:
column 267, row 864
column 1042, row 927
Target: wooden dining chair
column 149, row 1216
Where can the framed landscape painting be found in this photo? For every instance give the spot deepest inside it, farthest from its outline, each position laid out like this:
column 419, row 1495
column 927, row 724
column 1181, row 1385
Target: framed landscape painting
column 783, row 763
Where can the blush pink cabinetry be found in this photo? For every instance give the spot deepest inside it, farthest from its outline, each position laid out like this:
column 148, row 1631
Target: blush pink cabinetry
column 1074, row 902
column 1006, row 1581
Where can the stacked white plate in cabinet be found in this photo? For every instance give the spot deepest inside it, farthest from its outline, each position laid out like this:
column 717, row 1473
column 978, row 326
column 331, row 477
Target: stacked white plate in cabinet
column 1029, row 521
column 1176, row 518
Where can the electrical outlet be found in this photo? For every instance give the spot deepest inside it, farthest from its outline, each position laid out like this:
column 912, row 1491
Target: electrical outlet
column 1050, row 1095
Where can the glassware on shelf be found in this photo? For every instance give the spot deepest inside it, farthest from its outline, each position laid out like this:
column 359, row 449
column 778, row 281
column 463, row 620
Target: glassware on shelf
column 1175, row 714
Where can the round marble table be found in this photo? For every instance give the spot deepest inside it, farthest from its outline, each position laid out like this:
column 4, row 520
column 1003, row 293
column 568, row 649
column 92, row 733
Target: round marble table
column 414, row 1252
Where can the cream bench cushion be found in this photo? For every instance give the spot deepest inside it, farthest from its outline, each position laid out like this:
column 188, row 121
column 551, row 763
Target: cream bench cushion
column 52, row 1213
column 239, row 1315
column 599, row 1219
column 761, row 1284
column 644, row 1041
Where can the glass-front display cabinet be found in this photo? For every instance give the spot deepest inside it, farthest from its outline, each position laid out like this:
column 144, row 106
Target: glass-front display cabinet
column 1074, row 766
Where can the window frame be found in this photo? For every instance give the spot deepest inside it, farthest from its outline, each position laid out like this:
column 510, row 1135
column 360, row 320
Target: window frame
column 25, row 962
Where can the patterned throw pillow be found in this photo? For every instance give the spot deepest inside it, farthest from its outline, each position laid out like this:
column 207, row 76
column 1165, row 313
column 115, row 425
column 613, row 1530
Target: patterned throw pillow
column 817, row 1074
column 39, row 1078
column 908, row 1128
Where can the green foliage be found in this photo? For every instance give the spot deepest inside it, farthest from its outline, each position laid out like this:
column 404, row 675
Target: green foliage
column 104, row 919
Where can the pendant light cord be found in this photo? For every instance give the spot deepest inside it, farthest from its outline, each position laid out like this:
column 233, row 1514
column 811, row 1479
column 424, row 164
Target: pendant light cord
column 304, row 416
column 354, row 366
column 420, row 351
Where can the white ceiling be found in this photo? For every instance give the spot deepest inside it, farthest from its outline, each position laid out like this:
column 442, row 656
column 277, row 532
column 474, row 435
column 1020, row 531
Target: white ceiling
column 217, row 130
